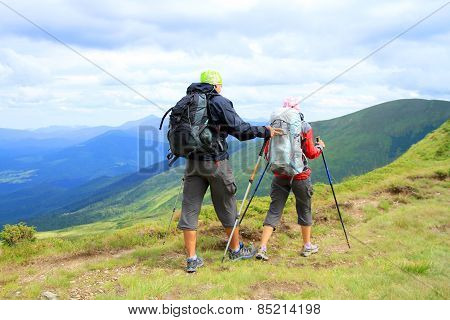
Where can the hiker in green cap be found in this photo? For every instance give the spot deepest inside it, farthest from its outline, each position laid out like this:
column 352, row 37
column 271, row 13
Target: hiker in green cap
column 212, row 169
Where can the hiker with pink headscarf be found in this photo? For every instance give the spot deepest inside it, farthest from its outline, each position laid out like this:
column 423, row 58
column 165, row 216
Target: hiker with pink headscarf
column 291, row 174
column 292, row 102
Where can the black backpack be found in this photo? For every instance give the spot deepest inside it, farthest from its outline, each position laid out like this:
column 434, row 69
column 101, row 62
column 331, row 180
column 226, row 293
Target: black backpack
column 189, row 129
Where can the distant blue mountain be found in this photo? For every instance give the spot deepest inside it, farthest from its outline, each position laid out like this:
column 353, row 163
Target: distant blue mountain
column 40, row 167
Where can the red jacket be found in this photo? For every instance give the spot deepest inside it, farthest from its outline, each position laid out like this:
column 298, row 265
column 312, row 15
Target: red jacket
column 309, row 149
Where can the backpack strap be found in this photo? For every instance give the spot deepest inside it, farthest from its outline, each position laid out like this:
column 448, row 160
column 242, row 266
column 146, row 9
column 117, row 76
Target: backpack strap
column 164, row 116
column 171, row 161
column 305, row 126
column 212, row 126
column 302, row 117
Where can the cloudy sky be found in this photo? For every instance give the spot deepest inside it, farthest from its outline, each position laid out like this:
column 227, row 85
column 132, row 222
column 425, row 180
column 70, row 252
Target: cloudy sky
column 265, row 50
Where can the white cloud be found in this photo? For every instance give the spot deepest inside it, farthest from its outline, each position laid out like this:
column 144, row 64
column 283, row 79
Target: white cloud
column 265, row 51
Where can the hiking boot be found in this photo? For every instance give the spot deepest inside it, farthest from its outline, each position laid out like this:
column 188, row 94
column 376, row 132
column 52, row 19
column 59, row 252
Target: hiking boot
column 193, row 264
column 243, row 253
column 307, row 251
column 262, row 255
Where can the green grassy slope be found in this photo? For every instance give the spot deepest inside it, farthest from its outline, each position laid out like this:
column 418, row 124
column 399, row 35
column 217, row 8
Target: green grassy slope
column 362, row 141
column 356, row 143
column 397, row 217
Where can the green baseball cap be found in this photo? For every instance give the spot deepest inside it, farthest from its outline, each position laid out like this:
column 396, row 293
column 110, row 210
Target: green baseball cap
column 211, row 76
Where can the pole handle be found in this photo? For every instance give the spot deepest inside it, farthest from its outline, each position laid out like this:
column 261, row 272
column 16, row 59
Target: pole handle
column 254, row 192
column 252, row 177
column 266, row 140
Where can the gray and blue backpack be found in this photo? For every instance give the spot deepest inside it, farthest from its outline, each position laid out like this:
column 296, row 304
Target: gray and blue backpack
column 285, row 151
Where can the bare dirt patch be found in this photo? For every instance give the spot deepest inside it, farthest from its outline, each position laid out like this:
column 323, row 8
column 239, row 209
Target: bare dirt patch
column 213, row 231
column 168, row 260
column 328, row 213
column 321, row 218
column 443, row 228
column 441, row 176
column 93, row 282
column 250, row 234
column 340, row 247
column 69, row 262
column 353, row 208
column 73, row 261
column 246, row 233
column 404, row 190
column 343, row 205
column 361, row 203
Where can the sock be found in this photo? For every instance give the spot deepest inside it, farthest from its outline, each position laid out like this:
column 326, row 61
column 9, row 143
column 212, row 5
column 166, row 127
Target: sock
column 241, row 245
column 264, row 248
column 235, row 250
column 308, row 245
column 194, row 257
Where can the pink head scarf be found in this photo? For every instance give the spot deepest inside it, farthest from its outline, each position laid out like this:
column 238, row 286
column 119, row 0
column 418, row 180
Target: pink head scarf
column 292, row 102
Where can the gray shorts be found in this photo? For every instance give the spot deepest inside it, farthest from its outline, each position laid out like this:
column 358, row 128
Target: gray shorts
column 303, row 191
column 218, row 175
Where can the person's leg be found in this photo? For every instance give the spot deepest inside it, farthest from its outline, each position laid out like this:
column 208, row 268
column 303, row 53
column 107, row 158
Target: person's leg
column 303, row 191
column 266, row 234
column 279, row 193
column 234, row 243
column 306, row 234
column 190, row 240
column 223, row 190
column 193, row 193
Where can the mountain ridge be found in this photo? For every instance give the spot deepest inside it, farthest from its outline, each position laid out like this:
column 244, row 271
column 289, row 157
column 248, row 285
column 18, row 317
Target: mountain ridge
column 382, row 128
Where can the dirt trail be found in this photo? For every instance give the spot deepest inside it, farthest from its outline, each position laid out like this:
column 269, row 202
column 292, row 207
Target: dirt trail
column 46, row 267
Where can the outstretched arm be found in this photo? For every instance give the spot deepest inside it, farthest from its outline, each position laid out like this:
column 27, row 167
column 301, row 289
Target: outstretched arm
column 237, row 127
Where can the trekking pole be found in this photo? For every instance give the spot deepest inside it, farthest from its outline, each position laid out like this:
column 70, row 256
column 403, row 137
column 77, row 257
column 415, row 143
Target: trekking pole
column 254, row 192
column 173, row 210
column 334, row 195
column 250, row 182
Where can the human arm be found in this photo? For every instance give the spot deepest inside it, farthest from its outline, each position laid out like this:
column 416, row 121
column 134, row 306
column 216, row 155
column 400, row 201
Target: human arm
column 310, row 149
column 233, row 123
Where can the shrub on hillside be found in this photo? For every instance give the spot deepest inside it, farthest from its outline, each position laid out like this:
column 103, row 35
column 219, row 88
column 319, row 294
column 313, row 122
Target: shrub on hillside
column 13, row 234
